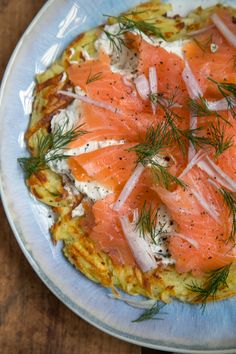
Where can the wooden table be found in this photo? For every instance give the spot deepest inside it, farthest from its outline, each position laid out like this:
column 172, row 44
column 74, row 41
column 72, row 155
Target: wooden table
column 32, row 320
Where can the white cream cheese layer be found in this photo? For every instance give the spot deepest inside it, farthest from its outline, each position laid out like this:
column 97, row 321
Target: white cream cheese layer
column 165, row 225
column 123, row 60
column 93, row 146
column 174, row 47
column 67, row 118
column 93, row 190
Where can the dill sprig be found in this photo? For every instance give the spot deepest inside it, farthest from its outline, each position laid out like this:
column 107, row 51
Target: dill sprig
column 197, row 141
column 171, row 118
column 164, row 101
column 199, row 107
column 163, row 177
column 150, row 314
column 116, row 39
column 216, row 280
column 215, row 138
column 49, row 149
column 94, row 77
column 147, row 222
column 226, row 89
column 218, row 139
column 230, row 200
column 155, row 141
column 128, row 25
column 149, row 28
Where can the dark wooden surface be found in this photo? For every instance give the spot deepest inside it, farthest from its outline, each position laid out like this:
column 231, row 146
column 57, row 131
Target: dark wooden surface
column 32, row 320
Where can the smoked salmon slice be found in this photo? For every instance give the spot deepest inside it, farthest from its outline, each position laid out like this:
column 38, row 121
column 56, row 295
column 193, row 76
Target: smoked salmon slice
column 110, row 87
column 210, row 229
column 108, row 234
column 111, row 165
column 205, row 56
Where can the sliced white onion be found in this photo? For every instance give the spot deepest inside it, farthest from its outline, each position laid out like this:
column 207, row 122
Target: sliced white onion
column 193, row 125
column 221, row 105
column 91, row 101
column 129, row 186
column 213, row 183
column 189, row 239
column 139, row 246
column 153, row 84
column 227, row 33
column 142, row 86
column 196, row 158
column 191, row 83
column 200, row 31
column 202, row 201
column 175, row 105
column 153, row 79
column 167, row 103
column 140, row 304
column 215, row 172
column 191, row 151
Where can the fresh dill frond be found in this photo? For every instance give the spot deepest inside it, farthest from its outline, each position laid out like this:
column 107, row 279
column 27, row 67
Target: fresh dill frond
column 196, row 140
column 49, row 149
column 164, row 177
column 147, row 222
column 215, row 281
column 218, row 139
column 164, row 101
column 147, row 27
column 128, row 25
column 171, row 118
column 156, row 139
column 177, row 134
column 230, row 87
column 227, row 88
column 150, row 314
column 94, row 77
column 198, row 107
column 116, row 40
column 230, row 200
column 30, row 165
column 215, row 138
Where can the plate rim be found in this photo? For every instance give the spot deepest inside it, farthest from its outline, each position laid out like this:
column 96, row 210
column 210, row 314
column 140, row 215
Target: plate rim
column 75, row 308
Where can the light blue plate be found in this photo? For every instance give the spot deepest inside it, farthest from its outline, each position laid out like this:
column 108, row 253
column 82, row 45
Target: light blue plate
column 185, row 328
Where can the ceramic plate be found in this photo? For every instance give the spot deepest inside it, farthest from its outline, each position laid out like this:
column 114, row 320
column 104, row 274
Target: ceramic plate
column 184, row 328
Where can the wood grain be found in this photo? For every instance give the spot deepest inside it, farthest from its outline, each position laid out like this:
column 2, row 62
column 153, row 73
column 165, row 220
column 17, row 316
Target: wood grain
column 32, row 320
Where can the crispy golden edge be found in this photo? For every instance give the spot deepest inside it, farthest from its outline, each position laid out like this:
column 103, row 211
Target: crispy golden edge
column 47, row 186
column 161, row 284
